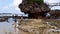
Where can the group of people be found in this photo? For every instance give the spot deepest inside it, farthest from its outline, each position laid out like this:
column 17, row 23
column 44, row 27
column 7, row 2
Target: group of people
column 14, row 18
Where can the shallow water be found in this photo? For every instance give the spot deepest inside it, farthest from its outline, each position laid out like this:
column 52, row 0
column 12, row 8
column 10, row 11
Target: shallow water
column 6, row 27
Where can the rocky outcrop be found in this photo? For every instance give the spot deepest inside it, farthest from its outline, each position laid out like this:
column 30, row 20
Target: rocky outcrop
column 32, row 26
column 39, row 26
column 34, row 10
column 55, row 14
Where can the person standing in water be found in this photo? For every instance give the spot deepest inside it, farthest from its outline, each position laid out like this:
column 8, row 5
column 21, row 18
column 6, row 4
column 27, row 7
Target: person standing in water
column 21, row 19
column 15, row 17
column 15, row 21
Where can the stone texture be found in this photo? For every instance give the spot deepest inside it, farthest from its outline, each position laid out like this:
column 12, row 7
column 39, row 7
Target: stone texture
column 37, row 26
column 32, row 26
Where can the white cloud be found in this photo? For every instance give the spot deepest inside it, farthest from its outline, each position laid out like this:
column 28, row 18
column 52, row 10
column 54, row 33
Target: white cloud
column 53, row 1
column 11, row 8
column 17, row 2
column 55, row 8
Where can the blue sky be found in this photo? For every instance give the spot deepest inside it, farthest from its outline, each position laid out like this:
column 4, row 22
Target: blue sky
column 10, row 6
column 5, row 2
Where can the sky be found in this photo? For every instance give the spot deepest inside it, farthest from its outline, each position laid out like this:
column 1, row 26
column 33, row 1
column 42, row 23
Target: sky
column 11, row 6
column 53, row 1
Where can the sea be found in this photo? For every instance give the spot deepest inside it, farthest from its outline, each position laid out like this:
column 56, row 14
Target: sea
column 7, row 27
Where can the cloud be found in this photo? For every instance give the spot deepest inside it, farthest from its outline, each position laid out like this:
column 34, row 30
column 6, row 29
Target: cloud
column 55, row 8
column 12, row 7
column 53, row 1
column 17, row 2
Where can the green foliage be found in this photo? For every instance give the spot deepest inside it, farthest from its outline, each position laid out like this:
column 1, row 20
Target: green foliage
column 36, row 1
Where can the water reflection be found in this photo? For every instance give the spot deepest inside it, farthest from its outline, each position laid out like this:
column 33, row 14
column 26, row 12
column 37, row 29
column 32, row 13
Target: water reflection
column 6, row 27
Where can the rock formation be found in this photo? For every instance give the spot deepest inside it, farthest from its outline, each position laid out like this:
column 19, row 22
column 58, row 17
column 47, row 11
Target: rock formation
column 55, row 14
column 33, row 9
column 38, row 26
column 32, row 26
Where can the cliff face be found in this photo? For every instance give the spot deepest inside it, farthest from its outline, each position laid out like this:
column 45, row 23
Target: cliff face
column 34, row 10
